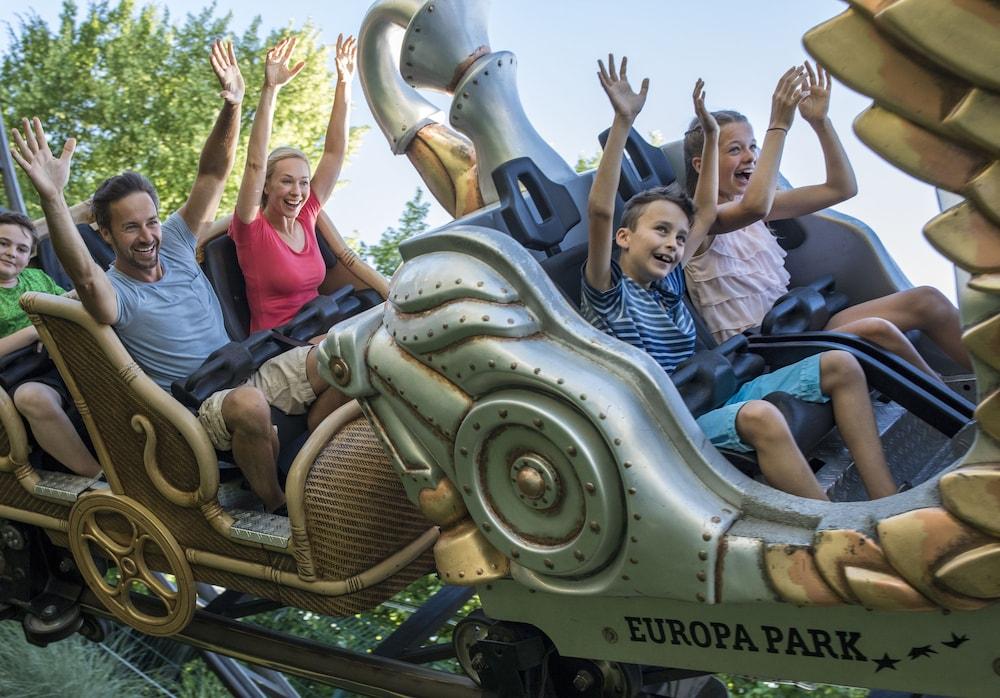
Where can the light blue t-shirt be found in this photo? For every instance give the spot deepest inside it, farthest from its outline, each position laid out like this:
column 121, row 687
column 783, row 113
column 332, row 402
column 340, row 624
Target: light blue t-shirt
column 170, row 326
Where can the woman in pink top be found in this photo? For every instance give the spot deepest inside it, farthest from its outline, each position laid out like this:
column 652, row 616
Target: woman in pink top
column 274, row 227
column 735, row 278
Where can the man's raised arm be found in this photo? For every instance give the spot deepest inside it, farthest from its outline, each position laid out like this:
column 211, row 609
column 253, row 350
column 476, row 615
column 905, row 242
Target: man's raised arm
column 49, row 175
column 219, row 153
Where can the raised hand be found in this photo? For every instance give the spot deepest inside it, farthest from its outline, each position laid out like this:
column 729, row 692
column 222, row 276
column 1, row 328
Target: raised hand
column 347, row 50
column 47, row 173
column 223, row 61
column 276, row 64
column 786, row 98
column 816, row 103
column 705, row 118
column 625, row 101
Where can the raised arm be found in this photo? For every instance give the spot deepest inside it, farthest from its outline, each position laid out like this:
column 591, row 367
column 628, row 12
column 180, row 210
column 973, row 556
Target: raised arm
column 219, row 152
column 335, row 146
column 49, row 175
column 601, row 204
column 706, row 192
column 759, row 196
column 840, row 183
column 277, row 73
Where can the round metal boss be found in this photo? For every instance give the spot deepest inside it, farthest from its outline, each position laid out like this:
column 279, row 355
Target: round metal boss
column 540, row 481
column 535, row 481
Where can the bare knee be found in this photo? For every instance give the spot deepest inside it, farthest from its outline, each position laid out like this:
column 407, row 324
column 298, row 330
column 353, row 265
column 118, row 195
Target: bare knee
column 878, row 331
column 839, row 368
column 929, row 305
column 37, row 401
column 759, row 421
column 246, row 412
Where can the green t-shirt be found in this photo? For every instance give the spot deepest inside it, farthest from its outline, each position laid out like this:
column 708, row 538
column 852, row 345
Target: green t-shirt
column 12, row 317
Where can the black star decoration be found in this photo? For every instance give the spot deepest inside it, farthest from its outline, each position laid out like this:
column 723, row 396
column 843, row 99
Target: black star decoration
column 924, row 651
column 886, row 662
column 955, row 641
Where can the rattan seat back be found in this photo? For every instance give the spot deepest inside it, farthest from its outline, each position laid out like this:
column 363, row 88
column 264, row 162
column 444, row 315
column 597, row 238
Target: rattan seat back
column 151, row 448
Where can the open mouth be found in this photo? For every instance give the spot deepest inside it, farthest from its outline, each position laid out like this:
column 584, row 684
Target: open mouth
column 663, row 258
column 145, row 251
column 743, row 176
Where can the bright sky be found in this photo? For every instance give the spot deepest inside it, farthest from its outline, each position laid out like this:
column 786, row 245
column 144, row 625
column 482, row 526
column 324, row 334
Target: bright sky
column 739, row 47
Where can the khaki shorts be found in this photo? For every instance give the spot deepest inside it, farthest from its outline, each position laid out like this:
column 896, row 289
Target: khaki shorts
column 284, row 383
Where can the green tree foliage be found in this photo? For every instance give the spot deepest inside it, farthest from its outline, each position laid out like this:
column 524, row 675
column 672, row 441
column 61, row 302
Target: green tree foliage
column 384, row 255
column 136, row 89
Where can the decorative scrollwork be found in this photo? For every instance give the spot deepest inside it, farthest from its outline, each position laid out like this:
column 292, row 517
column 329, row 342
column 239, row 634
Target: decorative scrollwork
column 142, row 425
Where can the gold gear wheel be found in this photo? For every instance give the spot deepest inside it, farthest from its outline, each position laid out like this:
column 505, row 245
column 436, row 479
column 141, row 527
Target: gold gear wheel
column 131, row 538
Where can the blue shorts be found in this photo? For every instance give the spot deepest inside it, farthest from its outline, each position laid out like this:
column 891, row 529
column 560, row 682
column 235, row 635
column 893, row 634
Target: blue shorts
column 801, row 380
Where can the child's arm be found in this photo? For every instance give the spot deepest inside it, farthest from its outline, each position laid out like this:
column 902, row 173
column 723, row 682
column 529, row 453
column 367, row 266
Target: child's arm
column 759, row 196
column 17, row 340
column 706, row 193
column 337, row 132
column 840, row 183
column 277, row 72
column 601, row 203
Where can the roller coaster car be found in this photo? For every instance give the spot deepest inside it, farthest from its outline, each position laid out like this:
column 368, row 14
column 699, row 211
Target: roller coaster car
column 351, row 538
column 561, row 472
column 571, row 482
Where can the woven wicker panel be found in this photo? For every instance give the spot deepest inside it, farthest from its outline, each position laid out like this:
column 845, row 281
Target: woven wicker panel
column 357, row 514
column 111, row 405
column 13, row 494
column 4, row 442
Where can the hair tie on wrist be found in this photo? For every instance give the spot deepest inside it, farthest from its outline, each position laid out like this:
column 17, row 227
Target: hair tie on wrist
column 778, row 128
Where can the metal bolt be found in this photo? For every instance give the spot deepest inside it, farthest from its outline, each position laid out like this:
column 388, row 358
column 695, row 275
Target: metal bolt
column 610, row 635
column 583, row 681
column 65, row 565
column 49, row 611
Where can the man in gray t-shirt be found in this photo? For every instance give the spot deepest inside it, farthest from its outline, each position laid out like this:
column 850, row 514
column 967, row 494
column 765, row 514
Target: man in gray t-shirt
column 155, row 295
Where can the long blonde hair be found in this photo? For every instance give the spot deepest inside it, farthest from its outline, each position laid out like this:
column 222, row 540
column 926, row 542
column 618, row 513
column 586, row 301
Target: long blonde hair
column 277, row 155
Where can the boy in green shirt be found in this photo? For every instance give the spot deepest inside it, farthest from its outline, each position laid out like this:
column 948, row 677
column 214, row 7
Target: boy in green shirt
column 43, row 399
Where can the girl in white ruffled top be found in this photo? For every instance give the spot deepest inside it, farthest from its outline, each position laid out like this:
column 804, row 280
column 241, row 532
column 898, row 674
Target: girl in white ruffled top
column 735, row 278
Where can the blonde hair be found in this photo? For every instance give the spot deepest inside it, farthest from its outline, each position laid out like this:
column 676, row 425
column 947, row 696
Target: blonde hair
column 277, row 155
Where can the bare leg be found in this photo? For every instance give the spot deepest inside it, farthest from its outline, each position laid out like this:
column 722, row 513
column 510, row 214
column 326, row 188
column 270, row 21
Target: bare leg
column 886, row 335
column 255, row 445
column 54, row 432
column 843, row 380
column 762, row 425
column 922, row 308
column 328, row 398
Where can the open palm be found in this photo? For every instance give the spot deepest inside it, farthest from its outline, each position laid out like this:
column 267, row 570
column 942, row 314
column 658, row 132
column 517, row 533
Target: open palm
column 223, row 60
column 816, row 104
column 347, row 50
column 625, row 101
column 277, row 70
column 47, row 173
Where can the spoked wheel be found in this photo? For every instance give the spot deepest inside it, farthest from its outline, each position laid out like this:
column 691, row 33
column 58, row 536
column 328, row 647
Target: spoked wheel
column 136, row 545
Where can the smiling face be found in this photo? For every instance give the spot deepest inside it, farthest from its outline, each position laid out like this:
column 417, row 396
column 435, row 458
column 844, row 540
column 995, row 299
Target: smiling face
column 15, row 251
column 135, row 236
column 652, row 248
column 287, row 188
column 737, row 159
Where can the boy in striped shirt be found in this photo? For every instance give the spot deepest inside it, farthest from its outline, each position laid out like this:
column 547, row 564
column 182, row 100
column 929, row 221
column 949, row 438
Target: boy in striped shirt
column 639, row 300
